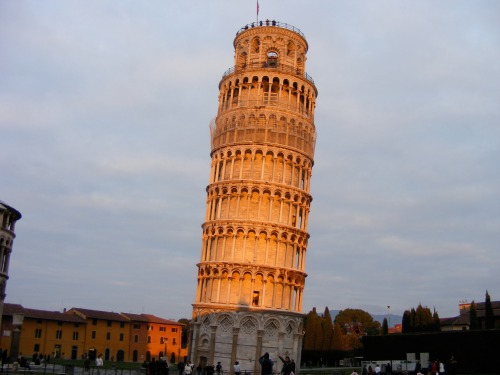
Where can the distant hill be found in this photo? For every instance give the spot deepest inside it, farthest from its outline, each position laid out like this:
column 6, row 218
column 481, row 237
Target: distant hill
column 391, row 319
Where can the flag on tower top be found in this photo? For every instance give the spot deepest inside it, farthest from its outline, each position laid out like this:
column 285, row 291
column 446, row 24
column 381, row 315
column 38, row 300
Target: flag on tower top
column 257, row 8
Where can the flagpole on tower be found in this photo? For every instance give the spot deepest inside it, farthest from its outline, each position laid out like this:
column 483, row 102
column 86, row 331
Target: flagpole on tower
column 257, row 12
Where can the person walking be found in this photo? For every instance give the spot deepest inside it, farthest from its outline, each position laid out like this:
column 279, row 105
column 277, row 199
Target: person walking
column 237, row 368
column 99, row 363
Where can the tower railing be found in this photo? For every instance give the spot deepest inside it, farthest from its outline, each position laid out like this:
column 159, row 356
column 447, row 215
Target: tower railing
column 271, row 23
column 281, row 68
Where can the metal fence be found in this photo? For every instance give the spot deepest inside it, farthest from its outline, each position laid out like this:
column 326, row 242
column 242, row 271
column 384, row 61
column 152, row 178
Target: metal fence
column 113, row 370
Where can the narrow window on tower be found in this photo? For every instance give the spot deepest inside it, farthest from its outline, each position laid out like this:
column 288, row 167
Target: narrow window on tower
column 255, row 299
column 272, row 59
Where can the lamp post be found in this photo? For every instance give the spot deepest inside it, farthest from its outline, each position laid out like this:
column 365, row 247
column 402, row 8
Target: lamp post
column 389, row 316
column 17, row 323
column 165, row 341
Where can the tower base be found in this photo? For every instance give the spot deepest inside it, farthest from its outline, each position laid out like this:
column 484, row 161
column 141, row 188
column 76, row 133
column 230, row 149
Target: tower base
column 244, row 335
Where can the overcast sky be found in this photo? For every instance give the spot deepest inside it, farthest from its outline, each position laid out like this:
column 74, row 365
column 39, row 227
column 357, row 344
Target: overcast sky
column 105, row 150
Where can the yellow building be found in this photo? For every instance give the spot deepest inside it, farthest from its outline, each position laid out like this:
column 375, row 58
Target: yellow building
column 79, row 332
column 106, row 333
column 44, row 332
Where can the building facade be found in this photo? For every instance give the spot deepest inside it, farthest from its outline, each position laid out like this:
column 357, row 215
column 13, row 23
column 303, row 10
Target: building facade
column 8, row 218
column 78, row 332
column 251, row 274
column 462, row 321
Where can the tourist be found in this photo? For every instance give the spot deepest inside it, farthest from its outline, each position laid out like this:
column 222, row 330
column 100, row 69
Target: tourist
column 266, row 364
column 237, row 369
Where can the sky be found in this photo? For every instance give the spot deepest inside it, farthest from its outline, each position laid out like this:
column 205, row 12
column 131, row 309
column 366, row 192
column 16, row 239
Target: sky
column 104, row 148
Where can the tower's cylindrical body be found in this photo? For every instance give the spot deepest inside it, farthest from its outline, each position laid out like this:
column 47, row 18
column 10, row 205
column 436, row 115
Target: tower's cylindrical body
column 252, row 269
column 8, row 218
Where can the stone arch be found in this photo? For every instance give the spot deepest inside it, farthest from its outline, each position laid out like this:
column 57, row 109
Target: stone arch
column 255, row 45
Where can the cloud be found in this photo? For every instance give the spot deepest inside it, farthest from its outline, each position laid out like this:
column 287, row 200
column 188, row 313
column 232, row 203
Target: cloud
column 105, row 149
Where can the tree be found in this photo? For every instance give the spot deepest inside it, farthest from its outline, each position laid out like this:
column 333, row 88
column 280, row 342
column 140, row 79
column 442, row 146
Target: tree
column 420, row 320
column 357, row 322
column 412, row 319
column 311, row 326
column 406, row 322
column 385, row 327
column 185, row 331
column 327, row 326
column 489, row 318
column 473, row 322
column 423, row 319
column 437, row 321
column 337, row 341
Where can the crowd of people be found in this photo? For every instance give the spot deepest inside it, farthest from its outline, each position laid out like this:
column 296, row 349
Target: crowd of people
column 156, row 367
column 267, row 367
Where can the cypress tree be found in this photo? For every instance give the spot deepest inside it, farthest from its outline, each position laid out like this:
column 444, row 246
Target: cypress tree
column 327, row 325
column 385, row 327
column 489, row 318
column 406, row 328
column 310, row 324
column 473, row 322
column 437, row 321
column 413, row 320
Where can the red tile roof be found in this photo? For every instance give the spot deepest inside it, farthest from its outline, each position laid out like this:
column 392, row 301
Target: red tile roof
column 9, row 309
column 97, row 314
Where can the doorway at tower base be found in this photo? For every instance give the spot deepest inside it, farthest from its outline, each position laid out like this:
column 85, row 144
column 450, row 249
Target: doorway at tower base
column 244, row 336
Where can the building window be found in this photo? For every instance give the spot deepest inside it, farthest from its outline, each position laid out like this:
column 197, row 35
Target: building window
column 108, row 335
column 255, row 299
column 93, row 334
column 174, row 329
column 149, row 339
column 136, row 326
column 174, row 341
column 163, row 329
column 122, row 324
column 38, row 333
column 121, row 336
column 59, row 334
column 109, row 323
column 272, row 59
column 75, row 335
column 36, row 348
column 150, row 328
column 94, row 322
column 39, row 321
column 136, row 338
column 76, row 325
column 59, row 323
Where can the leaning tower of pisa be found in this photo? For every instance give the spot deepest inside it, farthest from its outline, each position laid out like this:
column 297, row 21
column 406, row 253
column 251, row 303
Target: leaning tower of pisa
column 251, row 272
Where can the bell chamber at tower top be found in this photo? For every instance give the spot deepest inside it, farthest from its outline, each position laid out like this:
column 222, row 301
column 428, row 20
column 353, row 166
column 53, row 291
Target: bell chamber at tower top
column 267, row 97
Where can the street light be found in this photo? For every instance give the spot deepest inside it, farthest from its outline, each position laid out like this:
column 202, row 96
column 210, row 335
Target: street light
column 17, row 323
column 165, row 341
column 389, row 315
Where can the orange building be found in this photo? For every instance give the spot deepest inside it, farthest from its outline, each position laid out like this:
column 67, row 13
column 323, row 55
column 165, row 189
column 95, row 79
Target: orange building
column 79, row 332
column 157, row 335
column 106, row 333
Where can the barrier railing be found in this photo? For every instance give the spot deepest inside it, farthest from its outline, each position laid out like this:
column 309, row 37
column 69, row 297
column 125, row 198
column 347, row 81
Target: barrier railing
column 271, row 23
